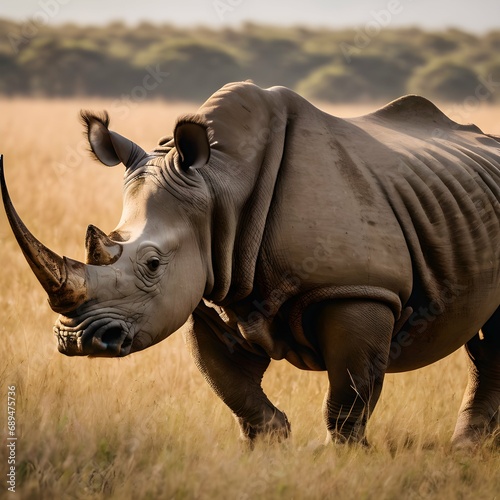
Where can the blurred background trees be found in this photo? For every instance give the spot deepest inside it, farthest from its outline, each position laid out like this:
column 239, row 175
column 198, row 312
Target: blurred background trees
column 190, row 64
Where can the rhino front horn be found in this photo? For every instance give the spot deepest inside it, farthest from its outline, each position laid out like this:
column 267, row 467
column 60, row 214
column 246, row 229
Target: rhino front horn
column 63, row 279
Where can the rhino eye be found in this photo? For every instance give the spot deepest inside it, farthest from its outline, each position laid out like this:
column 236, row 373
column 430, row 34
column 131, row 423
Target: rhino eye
column 153, row 263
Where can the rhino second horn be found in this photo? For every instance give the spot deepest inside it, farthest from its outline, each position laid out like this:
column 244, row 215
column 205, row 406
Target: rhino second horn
column 63, row 279
column 100, row 250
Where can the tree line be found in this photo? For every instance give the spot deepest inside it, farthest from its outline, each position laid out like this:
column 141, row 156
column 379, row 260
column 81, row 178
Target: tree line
column 162, row 60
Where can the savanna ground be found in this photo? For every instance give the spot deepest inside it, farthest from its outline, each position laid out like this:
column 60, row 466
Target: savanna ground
column 148, row 426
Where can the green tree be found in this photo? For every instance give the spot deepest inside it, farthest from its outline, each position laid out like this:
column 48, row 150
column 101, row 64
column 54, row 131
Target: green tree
column 386, row 76
column 13, row 79
column 445, row 80
column 195, row 69
column 491, row 72
column 334, row 83
column 58, row 68
column 277, row 57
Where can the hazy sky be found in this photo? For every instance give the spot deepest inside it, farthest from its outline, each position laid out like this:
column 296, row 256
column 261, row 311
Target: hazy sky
column 478, row 16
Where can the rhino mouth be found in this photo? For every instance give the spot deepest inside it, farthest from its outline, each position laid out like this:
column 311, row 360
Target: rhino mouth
column 95, row 338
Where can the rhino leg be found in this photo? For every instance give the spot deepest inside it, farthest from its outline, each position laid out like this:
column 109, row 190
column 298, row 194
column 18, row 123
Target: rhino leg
column 354, row 337
column 236, row 375
column 480, row 409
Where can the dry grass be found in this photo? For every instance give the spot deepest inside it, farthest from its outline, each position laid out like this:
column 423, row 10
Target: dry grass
column 148, row 426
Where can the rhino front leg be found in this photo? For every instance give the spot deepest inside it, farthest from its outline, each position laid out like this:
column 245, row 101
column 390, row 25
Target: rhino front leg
column 236, row 375
column 354, row 338
column 480, row 409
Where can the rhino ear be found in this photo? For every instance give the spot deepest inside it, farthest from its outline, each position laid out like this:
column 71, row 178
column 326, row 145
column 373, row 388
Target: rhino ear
column 192, row 143
column 109, row 147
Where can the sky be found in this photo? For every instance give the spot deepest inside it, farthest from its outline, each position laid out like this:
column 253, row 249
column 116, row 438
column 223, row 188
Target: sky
column 475, row 16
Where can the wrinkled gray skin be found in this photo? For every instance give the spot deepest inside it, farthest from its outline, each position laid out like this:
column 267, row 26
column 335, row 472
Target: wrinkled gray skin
column 360, row 247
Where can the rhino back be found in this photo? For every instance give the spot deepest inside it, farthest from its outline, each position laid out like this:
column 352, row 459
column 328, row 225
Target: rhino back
column 443, row 186
column 445, row 195
column 403, row 199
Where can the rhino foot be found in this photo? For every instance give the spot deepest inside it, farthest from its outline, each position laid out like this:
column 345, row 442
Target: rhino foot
column 336, row 437
column 277, row 429
column 479, row 415
column 469, row 438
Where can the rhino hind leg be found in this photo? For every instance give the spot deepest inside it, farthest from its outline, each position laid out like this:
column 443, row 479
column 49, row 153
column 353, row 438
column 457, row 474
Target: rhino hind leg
column 354, row 337
column 479, row 413
column 236, row 375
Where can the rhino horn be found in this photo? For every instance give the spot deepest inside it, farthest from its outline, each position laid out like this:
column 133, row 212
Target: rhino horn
column 63, row 279
column 100, row 250
column 109, row 147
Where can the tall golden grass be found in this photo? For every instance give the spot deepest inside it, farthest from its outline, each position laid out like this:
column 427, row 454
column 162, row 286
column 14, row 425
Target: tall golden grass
column 148, row 426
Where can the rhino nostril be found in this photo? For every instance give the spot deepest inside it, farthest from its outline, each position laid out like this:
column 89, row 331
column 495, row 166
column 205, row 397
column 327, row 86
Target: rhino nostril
column 112, row 336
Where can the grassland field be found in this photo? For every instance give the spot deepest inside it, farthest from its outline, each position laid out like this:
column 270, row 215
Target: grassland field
column 148, row 426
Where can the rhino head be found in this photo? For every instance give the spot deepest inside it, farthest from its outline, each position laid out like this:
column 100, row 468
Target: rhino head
column 139, row 284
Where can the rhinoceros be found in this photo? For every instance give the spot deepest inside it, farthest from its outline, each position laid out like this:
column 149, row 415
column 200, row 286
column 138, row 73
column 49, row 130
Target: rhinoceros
column 276, row 231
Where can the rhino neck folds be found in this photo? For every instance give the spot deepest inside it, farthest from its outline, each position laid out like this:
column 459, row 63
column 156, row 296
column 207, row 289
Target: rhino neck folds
column 242, row 201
